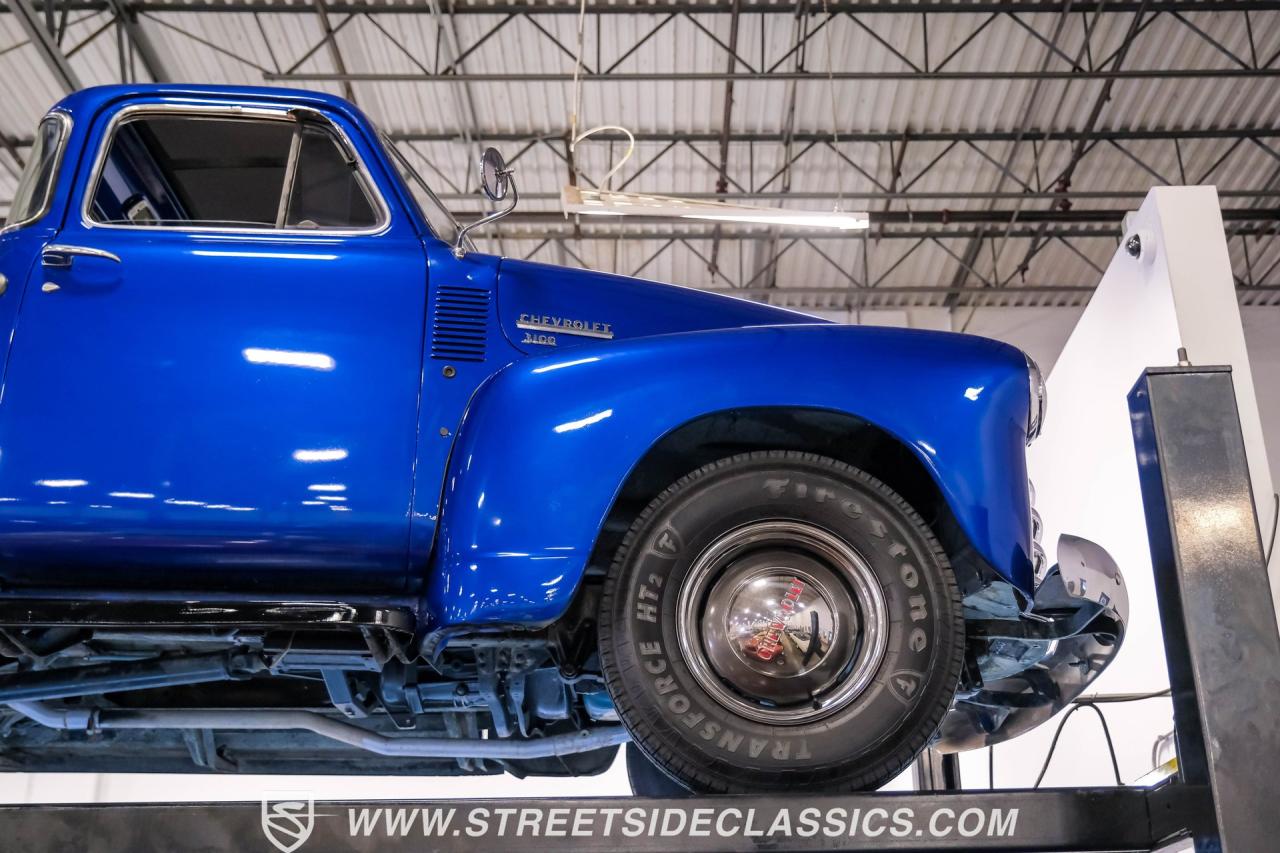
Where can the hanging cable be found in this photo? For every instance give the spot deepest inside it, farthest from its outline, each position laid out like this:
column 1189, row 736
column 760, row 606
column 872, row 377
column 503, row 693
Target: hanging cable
column 631, row 147
column 1093, row 702
column 575, row 113
column 1106, row 732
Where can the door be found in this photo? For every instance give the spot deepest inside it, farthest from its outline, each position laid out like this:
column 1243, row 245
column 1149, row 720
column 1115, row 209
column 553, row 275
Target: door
column 214, row 379
column 31, row 219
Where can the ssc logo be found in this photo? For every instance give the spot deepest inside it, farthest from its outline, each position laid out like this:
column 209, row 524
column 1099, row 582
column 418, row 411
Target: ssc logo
column 287, row 823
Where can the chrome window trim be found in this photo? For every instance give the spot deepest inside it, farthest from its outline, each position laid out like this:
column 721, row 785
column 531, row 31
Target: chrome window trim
column 233, row 111
column 65, row 120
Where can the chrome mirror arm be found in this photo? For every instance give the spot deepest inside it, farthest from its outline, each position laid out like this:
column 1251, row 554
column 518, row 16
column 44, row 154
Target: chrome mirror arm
column 458, row 244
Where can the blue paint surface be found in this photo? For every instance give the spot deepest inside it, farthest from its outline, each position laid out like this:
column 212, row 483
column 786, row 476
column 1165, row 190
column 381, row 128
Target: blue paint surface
column 520, row 524
column 285, row 412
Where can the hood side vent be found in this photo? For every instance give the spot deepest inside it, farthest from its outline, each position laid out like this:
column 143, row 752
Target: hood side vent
column 460, row 323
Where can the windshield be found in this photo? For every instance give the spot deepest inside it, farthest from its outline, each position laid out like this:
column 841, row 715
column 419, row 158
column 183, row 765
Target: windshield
column 433, row 210
column 36, row 185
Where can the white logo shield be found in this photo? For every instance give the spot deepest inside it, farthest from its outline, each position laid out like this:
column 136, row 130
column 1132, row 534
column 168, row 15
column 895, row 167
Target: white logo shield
column 287, row 820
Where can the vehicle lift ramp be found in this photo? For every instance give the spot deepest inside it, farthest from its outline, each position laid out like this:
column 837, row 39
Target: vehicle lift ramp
column 1223, row 653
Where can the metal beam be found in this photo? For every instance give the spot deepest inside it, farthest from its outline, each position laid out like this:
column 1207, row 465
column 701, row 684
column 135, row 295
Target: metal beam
column 965, row 266
column 726, row 122
column 450, row 49
column 335, row 54
column 777, row 76
column 556, row 227
column 1083, row 146
column 896, row 296
column 1051, row 216
column 830, row 195
column 897, row 289
column 127, row 17
column 765, row 253
column 695, row 7
column 32, row 23
column 806, row 136
column 12, row 150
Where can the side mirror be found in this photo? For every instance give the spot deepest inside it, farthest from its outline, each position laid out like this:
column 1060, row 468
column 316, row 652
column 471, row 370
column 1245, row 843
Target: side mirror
column 497, row 184
column 495, row 177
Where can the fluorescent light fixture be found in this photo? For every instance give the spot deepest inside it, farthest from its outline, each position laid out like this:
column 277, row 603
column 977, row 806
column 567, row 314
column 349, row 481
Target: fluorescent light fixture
column 62, row 484
column 327, row 487
column 577, row 200
column 289, row 358
column 138, row 495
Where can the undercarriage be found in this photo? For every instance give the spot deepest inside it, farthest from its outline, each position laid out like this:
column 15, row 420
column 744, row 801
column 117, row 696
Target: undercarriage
column 324, row 688
column 175, row 683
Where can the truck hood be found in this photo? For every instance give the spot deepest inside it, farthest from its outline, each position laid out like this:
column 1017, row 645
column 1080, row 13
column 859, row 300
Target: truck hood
column 542, row 306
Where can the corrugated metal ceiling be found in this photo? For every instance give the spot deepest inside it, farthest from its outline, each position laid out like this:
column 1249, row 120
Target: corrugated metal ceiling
column 198, row 44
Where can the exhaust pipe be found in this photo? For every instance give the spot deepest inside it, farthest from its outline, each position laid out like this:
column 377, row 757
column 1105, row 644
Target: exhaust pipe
column 79, row 719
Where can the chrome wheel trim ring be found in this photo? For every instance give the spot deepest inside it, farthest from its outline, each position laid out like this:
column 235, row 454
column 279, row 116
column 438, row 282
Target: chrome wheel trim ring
column 719, row 605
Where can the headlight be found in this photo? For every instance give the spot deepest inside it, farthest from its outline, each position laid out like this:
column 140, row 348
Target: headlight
column 1039, row 400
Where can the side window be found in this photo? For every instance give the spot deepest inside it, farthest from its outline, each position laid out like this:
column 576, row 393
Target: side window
column 194, row 170
column 31, row 199
column 327, row 190
column 229, row 172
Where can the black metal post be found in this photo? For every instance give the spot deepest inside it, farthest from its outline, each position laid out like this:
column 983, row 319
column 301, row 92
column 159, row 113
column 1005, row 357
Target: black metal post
column 1220, row 635
column 936, row 771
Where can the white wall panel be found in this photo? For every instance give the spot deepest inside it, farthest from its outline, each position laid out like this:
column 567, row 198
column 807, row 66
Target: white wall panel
column 1179, row 294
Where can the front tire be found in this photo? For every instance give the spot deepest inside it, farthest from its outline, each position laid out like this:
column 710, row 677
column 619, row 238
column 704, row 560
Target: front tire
column 780, row 621
column 648, row 780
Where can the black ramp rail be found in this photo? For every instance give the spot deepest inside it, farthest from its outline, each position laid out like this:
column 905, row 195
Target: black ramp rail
column 1048, row 820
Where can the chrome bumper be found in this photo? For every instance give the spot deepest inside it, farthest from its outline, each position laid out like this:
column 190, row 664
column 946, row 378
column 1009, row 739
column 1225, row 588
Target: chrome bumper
column 1080, row 610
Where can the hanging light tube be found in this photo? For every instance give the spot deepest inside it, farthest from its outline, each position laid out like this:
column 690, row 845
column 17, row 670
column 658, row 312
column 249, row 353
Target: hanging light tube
column 576, row 200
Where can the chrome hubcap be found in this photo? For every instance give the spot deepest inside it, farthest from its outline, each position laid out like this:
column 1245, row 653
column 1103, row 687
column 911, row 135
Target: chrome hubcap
column 782, row 622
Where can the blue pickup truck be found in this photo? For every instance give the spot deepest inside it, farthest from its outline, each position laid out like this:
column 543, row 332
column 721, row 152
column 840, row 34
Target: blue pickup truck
column 295, row 480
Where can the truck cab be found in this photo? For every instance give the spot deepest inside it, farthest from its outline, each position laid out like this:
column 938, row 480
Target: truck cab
column 229, row 368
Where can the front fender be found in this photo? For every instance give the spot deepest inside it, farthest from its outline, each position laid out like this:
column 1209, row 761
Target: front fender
column 548, row 442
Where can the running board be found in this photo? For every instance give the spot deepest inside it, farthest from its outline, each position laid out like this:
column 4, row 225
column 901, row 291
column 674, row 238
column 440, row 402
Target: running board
column 149, row 610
